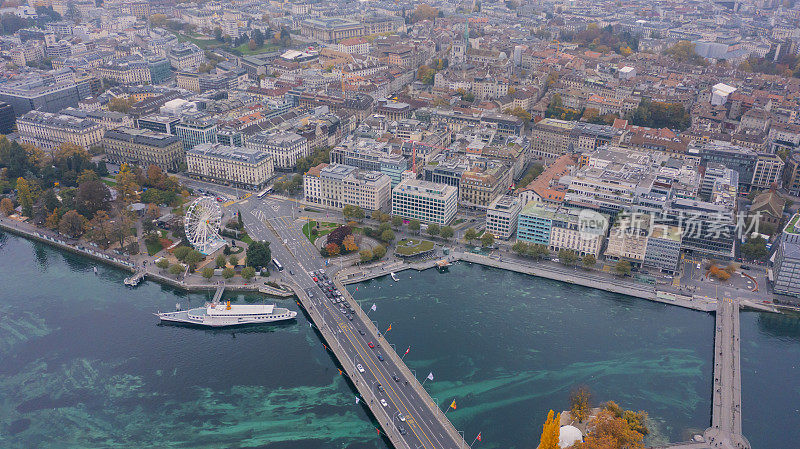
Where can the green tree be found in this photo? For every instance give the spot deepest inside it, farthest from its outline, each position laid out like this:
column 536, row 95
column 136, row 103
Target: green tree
column 567, row 257
column 446, row 232
column 414, row 226
column 92, row 195
column 259, row 254
column 487, row 239
column 163, row 263
column 193, row 258
column 208, row 272
column 589, row 260
column 755, row 248
column 234, row 260
column 221, row 261
column 6, row 206
column 379, row 251
column 520, row 248
column 433, row 229
column 181, row 252
column 228, row 272
column 397, row 221
column 623, row 268
column 387, row 236
column 175, row 269
column 248, row 273
column 470, row 235
column 366, row 255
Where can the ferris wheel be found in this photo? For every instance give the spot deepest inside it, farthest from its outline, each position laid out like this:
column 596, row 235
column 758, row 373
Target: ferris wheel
column 202, row 223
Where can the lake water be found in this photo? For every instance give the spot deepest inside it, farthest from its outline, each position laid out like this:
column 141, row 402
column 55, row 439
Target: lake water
column 84, row 363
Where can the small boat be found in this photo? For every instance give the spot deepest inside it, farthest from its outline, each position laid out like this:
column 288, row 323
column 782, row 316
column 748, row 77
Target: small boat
column 95, row 270
column 394, row 276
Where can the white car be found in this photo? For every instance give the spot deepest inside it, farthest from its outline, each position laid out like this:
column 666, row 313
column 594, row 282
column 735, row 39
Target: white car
column 383, row 403
column 360, row 368
column 401, row 417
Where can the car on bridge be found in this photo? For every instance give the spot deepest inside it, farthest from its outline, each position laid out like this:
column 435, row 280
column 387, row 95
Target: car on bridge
column 360, row 368
column 384, row 403
column 371, row 345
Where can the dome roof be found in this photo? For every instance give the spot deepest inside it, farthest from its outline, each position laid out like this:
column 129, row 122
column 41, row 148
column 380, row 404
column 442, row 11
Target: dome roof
column 569, row 435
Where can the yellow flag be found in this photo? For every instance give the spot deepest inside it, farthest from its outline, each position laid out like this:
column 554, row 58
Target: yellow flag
column 453, row 405
column 390, row 328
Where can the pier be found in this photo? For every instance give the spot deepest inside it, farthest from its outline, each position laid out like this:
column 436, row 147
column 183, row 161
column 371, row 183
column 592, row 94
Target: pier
column 134, row 279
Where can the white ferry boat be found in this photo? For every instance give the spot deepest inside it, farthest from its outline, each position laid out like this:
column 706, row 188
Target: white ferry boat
column 218, row 315
column 394, row 276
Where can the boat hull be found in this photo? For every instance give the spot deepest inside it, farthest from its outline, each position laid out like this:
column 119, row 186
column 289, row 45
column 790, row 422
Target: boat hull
column 184, row 318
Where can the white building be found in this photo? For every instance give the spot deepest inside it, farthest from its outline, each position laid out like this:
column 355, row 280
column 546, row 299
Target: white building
column 425, row 201
column 237, row 166
column 338, row 185
column 501, row 216
column 284, row 147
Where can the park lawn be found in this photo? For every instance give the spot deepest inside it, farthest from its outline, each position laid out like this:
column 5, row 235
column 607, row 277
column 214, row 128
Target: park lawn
column 202, row 43
column 109, row 182
column 245, row 50
column 246, row 238
column 325, row 228
column 153, row 248
column 412, row 247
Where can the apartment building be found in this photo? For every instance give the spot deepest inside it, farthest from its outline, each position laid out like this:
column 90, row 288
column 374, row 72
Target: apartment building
column 186, row 56
column 570, row 232
column 143, row 147
column 482, row 183
column 372, row 156
column 285, row 147
column 126, row 71
column 425, row 201
column 240, row 167
column 768, row 171
column 502, row 216
column 47, row 130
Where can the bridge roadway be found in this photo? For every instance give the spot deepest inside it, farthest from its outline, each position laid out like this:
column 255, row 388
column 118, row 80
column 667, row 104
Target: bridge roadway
column 726, row 416
column 425, row 426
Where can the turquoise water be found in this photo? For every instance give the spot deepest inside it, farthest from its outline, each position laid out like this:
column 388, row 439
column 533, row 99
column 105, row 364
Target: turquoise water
column 509, row 347
column 85, row 364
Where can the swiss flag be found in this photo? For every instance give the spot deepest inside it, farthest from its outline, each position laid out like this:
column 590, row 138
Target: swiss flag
column 479, row 436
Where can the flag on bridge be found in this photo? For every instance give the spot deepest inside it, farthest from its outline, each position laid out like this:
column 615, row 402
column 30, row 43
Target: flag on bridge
column 374, row 307
column 357, row 400
column 453, row 405
column 430, row 376
column 407, row 349
column 388, row 329
column 479, row 436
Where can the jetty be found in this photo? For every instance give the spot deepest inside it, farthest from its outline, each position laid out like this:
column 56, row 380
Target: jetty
column 134, row 279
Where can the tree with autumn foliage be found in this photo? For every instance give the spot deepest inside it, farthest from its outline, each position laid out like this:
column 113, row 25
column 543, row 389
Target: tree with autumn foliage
column 580, row 400
column 349, row 243
column 550, row 432
column 611, row 432
column 6, row 206
column 332, row 249
column 72, row 224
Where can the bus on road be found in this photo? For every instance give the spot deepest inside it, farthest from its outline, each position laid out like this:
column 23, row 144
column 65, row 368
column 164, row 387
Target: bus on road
column 277, row 264
column 264, row 192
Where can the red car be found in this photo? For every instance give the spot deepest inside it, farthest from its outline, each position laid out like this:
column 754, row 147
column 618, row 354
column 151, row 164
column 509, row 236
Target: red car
column 371, row 345
column 315, row 279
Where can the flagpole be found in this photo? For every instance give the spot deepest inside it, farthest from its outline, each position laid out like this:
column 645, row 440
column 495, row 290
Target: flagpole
column 473, row 441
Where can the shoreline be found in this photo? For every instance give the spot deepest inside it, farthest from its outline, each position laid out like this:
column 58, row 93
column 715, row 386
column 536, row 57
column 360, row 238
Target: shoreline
column 131, row 267
column 699, row 303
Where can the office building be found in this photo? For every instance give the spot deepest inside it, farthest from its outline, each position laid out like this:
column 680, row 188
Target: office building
column 143, row 147
column 502, row 215
column 240, row 167
column 425, row 201
column 159, row 123
column 196, row 128
column 663, row 249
